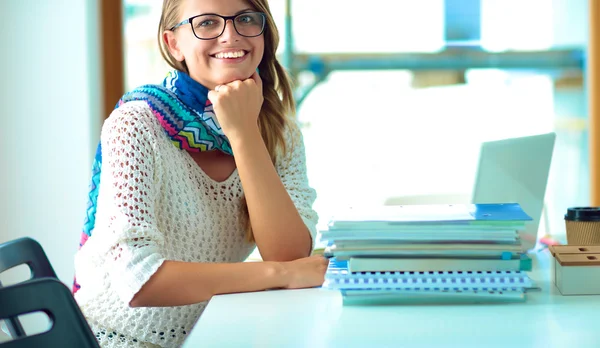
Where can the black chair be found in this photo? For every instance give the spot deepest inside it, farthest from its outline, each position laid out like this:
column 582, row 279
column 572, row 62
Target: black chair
column 69, row 327
column 24, row 251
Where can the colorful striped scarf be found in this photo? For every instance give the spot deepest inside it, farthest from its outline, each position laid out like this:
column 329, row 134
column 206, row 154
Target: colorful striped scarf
column 181, row 105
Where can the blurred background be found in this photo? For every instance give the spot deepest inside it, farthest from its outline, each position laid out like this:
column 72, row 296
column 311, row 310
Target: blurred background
column 394, row 98
column 405, row 91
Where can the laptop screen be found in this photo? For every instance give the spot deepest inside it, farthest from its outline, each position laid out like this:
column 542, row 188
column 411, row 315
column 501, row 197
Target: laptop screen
column 516, row 171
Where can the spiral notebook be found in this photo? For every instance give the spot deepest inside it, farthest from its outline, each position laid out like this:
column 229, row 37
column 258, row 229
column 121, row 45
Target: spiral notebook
column 427, row 287
column 429, row 281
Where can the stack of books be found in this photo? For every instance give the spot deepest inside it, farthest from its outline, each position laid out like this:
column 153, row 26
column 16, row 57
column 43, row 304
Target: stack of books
column 428, row 253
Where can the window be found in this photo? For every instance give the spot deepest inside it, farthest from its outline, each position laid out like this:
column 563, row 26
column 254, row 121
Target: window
column 374, row 135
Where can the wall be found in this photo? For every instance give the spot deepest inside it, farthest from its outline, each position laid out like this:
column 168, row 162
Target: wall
column 49, row 111
column 49, row 106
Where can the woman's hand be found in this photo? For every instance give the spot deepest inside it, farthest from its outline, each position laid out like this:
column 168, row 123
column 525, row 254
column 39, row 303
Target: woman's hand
column 306, row 272
column 237, row 105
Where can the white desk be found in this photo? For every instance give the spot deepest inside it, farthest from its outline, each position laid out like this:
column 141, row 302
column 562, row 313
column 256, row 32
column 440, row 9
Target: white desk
column 316, row 318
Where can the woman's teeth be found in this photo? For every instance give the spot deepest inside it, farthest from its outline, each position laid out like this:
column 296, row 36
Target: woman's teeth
column 230, row 55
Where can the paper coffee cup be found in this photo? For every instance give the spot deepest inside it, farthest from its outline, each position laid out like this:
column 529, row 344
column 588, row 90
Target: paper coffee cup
column 583, row 225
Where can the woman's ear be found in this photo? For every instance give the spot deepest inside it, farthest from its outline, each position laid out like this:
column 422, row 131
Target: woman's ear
column 172, row 45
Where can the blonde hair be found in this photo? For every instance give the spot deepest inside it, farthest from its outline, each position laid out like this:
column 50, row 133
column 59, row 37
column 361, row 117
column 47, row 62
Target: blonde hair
column 278, row 107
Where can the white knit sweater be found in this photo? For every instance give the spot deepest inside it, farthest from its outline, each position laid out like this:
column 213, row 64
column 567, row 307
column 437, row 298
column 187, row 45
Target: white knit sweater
column 156, row 204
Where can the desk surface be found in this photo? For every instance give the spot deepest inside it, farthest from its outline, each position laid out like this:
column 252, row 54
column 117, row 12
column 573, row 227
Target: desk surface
column 316, row 318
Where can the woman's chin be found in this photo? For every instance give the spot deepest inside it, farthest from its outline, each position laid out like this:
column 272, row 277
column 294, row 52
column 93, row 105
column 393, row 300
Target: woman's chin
column 228, row 78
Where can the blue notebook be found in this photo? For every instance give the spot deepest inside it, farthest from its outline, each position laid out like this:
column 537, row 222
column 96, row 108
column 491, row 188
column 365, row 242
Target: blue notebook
column 466, row 214
column 485, row 223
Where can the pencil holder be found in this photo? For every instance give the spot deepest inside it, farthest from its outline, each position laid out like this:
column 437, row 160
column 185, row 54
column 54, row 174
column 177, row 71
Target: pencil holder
column 576, row 269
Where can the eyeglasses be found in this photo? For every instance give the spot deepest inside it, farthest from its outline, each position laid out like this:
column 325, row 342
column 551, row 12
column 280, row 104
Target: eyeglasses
column 211, row 26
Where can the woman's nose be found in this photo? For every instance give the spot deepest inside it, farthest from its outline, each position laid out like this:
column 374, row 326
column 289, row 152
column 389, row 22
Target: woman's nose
column 229, row 34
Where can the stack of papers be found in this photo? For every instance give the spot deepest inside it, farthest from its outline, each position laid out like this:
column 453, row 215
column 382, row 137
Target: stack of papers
column 433, row 253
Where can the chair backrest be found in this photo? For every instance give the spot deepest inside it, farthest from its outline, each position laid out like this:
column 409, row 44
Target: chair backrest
column 19, row 252
column 25, row 251
column 69, row 327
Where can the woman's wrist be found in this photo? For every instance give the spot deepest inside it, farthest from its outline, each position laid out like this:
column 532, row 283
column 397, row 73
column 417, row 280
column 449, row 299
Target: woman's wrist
column 279, row 273
column 244, row 136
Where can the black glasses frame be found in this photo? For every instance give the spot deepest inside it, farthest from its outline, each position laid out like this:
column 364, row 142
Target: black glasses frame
column 225, row 19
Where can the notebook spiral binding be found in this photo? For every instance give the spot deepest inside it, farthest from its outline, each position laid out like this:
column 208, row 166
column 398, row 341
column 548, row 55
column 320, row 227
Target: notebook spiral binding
column 428, row 281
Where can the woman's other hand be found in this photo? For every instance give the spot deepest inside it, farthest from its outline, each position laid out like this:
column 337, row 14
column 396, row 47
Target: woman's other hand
column 237, row 105
column 306, row 272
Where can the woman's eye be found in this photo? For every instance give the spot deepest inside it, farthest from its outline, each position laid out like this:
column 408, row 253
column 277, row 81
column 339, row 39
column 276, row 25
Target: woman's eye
column 206, row 23
column 245, row 19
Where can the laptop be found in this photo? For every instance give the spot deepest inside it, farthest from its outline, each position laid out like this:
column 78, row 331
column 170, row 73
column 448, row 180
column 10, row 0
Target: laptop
column 516, row 170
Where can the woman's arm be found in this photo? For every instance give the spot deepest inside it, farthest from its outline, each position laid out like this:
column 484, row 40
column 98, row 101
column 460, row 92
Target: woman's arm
column 278, row 228
column 182, row 283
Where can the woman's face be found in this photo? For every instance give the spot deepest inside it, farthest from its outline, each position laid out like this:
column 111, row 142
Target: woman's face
column 219, row 61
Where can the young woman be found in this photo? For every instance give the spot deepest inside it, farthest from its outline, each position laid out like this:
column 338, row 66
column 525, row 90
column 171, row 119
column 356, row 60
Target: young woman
column 191, row 175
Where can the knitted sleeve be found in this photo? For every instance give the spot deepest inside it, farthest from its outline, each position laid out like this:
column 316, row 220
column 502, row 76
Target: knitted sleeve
column 128, row 182
column 292, row 171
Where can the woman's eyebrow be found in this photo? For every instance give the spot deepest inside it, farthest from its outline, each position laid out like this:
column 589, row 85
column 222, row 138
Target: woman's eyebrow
column 237, row 13
column 246, row 10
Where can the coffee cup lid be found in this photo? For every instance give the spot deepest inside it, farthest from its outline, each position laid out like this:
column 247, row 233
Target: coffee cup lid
column 583, row 214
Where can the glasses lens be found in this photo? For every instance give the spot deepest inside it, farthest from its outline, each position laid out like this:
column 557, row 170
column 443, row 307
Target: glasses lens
column 250, row 24
column 208, row 26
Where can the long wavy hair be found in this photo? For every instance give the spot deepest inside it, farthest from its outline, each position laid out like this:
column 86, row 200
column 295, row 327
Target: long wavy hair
column 278, row 106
